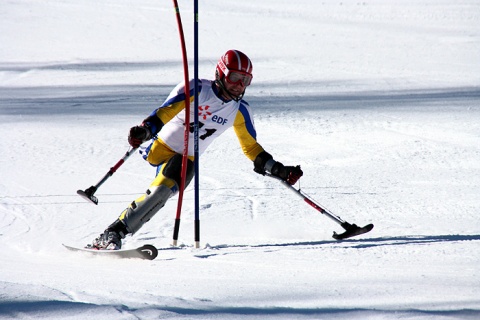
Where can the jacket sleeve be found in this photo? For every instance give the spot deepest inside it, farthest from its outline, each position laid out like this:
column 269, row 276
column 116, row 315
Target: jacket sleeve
column 245, row 131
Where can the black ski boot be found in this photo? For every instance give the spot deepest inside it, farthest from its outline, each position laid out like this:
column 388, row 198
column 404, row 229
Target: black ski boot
column 111, row 238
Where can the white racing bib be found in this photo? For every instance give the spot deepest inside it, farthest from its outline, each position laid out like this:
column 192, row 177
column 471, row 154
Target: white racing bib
column 214, row 115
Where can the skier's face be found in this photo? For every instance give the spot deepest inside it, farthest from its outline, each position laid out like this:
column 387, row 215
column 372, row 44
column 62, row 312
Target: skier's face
column 235, row 89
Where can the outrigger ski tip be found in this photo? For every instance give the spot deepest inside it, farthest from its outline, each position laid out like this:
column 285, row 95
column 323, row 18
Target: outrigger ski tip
column 352, row 230
column 88, row 195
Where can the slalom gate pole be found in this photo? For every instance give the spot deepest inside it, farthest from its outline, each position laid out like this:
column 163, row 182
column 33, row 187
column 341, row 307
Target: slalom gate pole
column 88, row 194
column 187, row 125
column 195, row 128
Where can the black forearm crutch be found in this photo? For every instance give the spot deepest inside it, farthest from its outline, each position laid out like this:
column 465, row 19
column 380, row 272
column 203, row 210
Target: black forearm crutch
column 351, row 230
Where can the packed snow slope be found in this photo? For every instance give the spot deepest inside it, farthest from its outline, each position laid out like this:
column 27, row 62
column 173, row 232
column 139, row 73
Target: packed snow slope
column 378, row 101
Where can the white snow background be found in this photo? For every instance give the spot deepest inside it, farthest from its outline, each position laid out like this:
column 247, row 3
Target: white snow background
column 378, row 101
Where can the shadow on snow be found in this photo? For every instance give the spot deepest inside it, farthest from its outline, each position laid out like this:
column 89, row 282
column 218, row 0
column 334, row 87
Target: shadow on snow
column 66, row 308
column 140, row 100
column 366, row 242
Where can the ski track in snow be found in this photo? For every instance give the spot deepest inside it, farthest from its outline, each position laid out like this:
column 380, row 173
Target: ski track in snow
column 378, row 102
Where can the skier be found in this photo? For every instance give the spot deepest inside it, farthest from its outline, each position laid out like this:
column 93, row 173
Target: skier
column 220, row 107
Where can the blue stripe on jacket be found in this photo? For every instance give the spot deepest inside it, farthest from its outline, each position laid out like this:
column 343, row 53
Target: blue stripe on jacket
column 181, row 96
column 248, row 120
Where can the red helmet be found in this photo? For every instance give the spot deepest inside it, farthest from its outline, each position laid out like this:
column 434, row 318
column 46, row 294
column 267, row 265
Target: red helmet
column 235, row 66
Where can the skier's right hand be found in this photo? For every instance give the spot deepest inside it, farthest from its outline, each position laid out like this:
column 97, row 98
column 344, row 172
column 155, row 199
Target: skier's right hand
column 138, row 135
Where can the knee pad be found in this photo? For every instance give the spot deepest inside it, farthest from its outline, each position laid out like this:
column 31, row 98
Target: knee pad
column 145, row 207
column 173, row 170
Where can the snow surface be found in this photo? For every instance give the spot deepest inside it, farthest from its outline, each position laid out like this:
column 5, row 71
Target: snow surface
column 378, row 101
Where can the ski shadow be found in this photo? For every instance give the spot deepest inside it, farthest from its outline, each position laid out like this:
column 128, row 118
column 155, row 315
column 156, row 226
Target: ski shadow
column 407, row 240
column 363, row 243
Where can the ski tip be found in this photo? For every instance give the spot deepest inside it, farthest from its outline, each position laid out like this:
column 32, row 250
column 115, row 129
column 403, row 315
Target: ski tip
column 148, row 251
column 88, row 197
column 352, row 231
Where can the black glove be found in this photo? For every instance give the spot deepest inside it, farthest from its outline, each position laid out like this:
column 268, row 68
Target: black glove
column 264, row 163
column 289, row 174
column 138, row 135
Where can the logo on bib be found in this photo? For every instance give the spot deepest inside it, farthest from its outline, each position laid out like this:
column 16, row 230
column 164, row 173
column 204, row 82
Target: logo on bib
column 203, row 112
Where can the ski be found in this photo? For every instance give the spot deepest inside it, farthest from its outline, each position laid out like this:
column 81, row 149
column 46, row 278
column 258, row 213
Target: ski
column 146, row 252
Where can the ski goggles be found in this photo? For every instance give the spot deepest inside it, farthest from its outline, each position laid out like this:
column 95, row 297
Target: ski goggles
column 236, row 77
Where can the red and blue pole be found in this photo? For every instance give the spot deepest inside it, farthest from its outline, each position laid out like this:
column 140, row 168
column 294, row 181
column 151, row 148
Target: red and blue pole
column 195, row 126
column 187, row 124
